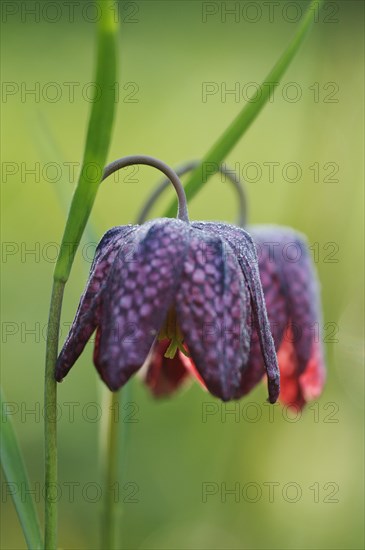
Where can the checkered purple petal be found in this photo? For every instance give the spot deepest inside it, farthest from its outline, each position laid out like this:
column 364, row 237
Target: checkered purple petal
column 213, row 309
column 276, row 307
column 140, row 290
column 299, row 285
column 88, row 312
column 243, row 246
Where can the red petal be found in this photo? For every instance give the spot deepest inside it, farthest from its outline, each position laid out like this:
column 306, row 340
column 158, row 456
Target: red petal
column 297, row 390
column 164, row 375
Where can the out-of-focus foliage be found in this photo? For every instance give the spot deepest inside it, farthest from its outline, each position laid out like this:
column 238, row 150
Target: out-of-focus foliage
column 167, row 55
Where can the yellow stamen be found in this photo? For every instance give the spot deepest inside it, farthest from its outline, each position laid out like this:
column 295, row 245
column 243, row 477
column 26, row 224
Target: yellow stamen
column 171, row 331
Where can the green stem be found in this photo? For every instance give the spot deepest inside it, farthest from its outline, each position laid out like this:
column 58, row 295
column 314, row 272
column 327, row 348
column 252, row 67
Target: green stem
column 50, row 416
column 110, row 512
column 95, row 154
column 114, row 461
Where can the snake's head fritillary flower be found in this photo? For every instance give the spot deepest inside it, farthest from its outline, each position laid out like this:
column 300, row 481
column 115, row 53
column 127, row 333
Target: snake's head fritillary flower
column 291, row 292
column 292, row 300
column 194, row 286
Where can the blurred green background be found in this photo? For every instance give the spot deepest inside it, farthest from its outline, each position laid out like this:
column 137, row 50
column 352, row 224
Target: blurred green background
column 166, row 56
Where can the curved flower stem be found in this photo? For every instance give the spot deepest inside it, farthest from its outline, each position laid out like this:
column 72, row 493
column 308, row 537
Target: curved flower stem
column 50, row 416
column 230, row 174
column 182, row 212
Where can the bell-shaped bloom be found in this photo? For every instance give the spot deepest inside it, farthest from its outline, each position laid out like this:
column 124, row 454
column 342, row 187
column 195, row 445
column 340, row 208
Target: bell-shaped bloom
column 291, row 293
column 292, row 300
column 190, row 290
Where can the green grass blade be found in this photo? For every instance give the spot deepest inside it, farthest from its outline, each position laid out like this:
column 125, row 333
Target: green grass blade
column 96, row 149
column 97, row 141
column 17, row 479
column 250, row 111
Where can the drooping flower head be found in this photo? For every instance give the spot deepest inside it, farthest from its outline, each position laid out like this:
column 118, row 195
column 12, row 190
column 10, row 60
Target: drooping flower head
column 291, row 294
column 192, row 286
